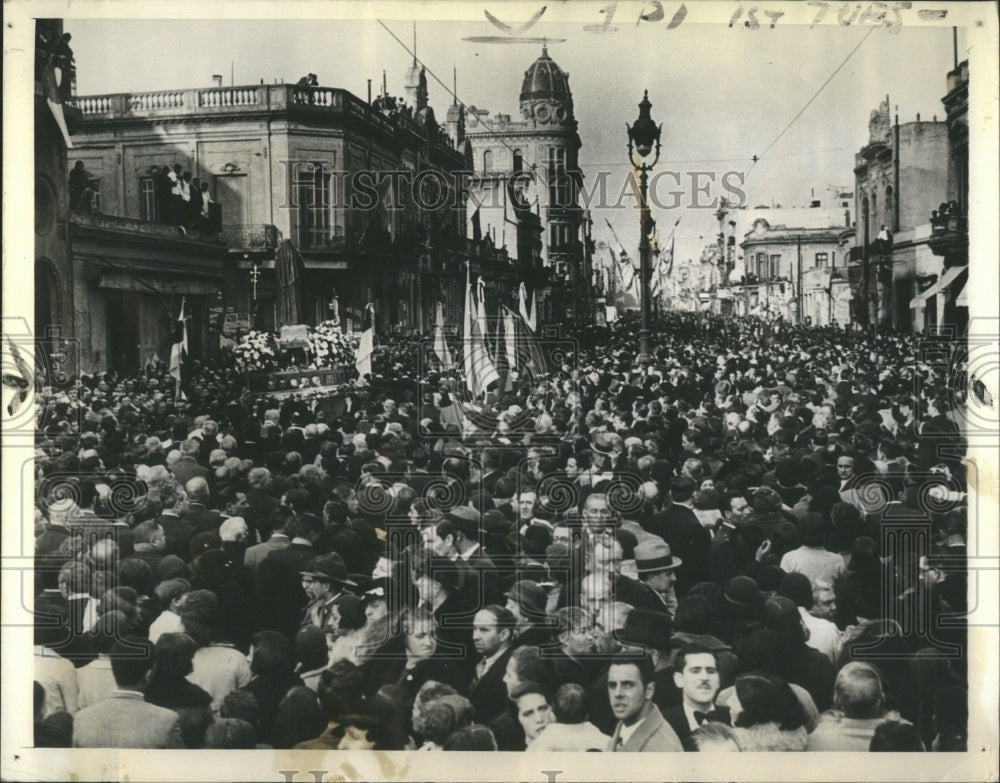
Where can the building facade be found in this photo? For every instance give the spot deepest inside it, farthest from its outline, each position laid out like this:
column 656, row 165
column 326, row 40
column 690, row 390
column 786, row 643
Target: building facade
column 782, row 263
column 368, row 194
column 901, row 176
column 539, row 153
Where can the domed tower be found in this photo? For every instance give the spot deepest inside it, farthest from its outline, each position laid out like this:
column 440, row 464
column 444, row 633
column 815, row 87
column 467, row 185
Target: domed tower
column 545, row 96
column 547, row 111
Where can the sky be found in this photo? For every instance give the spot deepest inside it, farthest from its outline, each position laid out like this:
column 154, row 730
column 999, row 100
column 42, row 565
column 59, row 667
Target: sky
column 723, row 94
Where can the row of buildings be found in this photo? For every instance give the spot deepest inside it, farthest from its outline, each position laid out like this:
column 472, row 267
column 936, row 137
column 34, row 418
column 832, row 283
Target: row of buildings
column 371, row 199
column 891, row 252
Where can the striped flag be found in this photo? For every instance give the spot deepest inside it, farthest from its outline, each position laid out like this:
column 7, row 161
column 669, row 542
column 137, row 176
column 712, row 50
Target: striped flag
column 440, row 344
column 479, row 369
column 510, row 338
column 363, row 359
column 530, row 315
column 178, row 355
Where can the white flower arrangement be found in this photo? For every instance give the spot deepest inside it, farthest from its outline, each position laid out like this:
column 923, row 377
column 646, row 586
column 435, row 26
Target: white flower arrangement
column 256, row 351
column 329, row 346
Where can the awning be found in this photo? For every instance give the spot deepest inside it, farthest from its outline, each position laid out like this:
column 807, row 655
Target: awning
column 947, row 278
column 141, row 282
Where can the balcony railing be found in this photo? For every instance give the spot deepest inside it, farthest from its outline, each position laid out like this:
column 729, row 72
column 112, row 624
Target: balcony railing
column 253, row 236
column 949, row 234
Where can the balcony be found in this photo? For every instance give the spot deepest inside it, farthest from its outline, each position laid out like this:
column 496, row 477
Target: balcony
column 950, row 237
column 253, row 236
column 294, row 100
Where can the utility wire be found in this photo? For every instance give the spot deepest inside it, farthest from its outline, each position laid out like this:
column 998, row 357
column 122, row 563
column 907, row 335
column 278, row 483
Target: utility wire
column 758, row 158
column 448, row 89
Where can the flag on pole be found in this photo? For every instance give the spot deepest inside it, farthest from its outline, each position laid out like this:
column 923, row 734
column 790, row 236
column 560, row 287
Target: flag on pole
column 530, row 315
column 178, row 355
column 440, row 344
column 363, row 359
column 510, row 338
column 58, row 63
column 500, row 355
column 479, row 369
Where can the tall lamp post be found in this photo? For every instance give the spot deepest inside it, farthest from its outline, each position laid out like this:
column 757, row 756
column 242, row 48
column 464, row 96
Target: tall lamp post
column 254, row 276
column 643, row 134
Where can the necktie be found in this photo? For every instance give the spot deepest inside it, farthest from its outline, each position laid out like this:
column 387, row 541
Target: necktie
column 618, row 744
column 701, row 717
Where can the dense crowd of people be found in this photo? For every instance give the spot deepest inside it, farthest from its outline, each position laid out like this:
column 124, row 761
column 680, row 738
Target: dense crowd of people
column 705, row 553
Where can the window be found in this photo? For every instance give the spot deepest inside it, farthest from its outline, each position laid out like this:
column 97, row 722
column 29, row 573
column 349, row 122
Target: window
column 833, row 258
column 487, row 160
column 558, row 236
column 312, row 200
column 147, row 200
column 518, row 161
column 821, row 260
column 775, row 265
column 558, row 179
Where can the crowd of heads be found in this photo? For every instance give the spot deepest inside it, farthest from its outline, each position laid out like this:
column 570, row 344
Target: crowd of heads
column 701, row 553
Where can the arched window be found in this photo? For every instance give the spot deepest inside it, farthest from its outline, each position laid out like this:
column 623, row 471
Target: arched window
column 487, row 160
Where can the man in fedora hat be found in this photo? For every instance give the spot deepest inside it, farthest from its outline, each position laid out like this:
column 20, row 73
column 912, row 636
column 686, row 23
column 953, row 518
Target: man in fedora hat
column 527, row 602
column 324, row 580
column 458, row 538
column 657, row 569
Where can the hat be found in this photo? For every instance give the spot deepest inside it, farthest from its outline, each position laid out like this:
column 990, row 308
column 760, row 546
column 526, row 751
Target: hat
column 766, row 499
column 743, row 593
column 330, row 567
column 798, row 588
column 652, row 556
column 781, row 614
column 529, row 595
column 769, row 578
column 465, row 519
column 606, row 443
column 647, row 628
column 722, row 388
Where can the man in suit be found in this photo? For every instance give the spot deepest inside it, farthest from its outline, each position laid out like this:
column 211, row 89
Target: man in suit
column 492, row 636
column 696, row 673
column 679, row 526
column 198, row 514
column 125, row 720
column 641, row 726
column 657, row 570
column 324, row 581
column 177, row 531
column 187, row 467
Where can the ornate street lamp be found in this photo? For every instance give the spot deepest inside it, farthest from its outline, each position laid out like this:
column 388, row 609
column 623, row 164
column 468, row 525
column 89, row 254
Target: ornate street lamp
column 254, row 276
column 642, row 135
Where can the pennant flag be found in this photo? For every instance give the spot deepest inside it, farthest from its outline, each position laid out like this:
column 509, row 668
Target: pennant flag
column 56, row 71
column 670, row 259
column 440, row 344
column 530, row 316
column 477, row 227
column 510, row 338
column 479, row 369
column 178, row 356
column 379, row 208
column 363, row 359
column 500, row 355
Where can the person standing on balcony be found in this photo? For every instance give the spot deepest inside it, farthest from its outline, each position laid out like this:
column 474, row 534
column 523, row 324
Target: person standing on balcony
column 194, row 219
column 206, row 208
column 77, row 184
column 174, row 210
